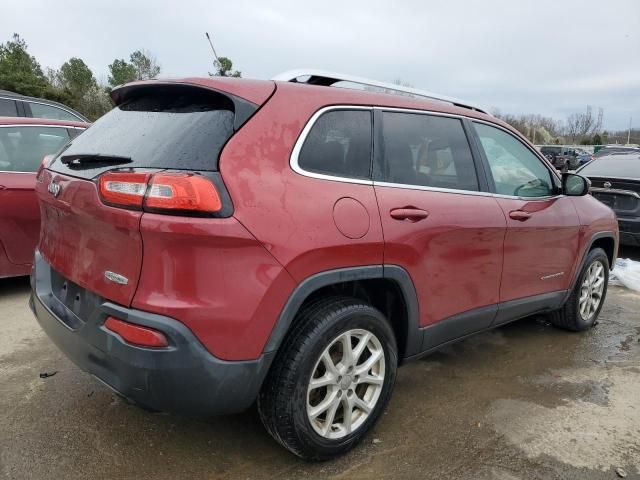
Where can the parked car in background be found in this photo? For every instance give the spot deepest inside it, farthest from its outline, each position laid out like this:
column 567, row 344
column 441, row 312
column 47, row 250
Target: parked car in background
column 561, row 157
column 615, row 150
column 583, row 157
column 23, row 144
column 615, row 181
column 212, row 242
column 16, row 105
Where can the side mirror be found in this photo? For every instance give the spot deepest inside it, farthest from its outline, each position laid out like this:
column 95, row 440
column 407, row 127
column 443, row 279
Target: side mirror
column 575, row 185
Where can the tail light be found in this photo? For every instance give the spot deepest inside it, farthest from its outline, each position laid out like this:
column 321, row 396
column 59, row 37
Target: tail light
column 137, row 334
column 165, row 192
column 123, row 189
column 185, row 192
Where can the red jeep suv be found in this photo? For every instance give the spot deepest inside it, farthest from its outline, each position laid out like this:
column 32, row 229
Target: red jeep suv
column 211, row 243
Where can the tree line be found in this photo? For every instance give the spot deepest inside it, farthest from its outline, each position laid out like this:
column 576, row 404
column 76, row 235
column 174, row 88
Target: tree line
column 74, row 84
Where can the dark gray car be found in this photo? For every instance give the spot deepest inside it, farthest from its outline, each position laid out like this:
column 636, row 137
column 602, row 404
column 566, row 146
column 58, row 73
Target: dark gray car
column 16, row 105
column 615, row 181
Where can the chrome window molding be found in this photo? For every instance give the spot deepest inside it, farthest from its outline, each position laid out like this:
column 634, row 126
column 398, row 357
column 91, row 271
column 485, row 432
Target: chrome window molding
column 432, row 189
column 606, row 177
column 615, row 191
column 20, row 125
column 295, row 153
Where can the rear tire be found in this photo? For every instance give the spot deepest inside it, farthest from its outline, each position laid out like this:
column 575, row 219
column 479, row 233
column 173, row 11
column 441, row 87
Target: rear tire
column 583, row 306
column 317, row 400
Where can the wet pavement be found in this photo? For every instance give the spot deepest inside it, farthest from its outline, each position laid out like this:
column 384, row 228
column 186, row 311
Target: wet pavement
column 526, row 401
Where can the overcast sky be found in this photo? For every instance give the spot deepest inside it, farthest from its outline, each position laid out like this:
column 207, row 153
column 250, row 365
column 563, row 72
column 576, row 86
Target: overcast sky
column 547, row 57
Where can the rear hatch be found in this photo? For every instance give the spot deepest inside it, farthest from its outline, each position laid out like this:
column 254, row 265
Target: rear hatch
column 156, row 127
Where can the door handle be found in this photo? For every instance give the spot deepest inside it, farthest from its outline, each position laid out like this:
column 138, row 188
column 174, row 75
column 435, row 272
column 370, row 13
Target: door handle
column 520, row 215
column 411, row 214
column 2, row 187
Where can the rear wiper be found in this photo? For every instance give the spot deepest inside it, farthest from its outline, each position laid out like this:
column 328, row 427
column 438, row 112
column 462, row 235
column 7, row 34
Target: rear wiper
column 79, row 158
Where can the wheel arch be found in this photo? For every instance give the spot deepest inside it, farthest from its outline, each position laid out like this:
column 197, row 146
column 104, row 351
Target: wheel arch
column 387, row 287
column 606, row 241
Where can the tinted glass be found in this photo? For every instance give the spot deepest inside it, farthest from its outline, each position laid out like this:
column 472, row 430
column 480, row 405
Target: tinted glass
column 622, row 166
column 427, row 150
column 22, row 148
column 38, row 110
column 184, row 128
column 339, row 144
column 515, row 169
column 8, row 108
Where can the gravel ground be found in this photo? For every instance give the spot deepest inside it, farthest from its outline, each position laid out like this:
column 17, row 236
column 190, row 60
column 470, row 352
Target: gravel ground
column 525, row 401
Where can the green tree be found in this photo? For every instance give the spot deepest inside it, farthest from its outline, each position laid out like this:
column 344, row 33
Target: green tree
column 145, row 65
column 95, row 102
column 596, row 140
column 121, row 72
column 19, row 71
column 76, row 77
column 223, row 66
column 142, row 65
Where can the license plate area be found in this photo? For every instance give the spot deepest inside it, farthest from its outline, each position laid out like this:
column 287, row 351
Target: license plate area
column 74, row 299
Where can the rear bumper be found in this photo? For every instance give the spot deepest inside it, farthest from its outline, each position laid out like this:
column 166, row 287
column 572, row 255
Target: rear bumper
column 183, row 378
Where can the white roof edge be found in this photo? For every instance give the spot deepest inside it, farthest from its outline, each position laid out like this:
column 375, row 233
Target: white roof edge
column 293, row 75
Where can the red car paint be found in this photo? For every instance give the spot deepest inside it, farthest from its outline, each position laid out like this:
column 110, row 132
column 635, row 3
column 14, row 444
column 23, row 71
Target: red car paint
column 229, row 279
column 19, row 211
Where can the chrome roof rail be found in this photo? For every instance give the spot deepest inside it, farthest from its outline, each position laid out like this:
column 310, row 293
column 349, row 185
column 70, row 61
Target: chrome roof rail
column 325, row 78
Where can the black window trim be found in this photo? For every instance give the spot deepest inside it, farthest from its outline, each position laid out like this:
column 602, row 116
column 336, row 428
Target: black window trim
column 555, row 177
column 18, row 125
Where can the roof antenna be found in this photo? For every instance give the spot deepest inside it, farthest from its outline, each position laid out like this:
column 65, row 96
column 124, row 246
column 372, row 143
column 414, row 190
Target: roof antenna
column 215, row 55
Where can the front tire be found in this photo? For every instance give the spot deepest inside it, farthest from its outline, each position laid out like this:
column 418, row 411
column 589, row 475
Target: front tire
column 331, row 380
column 583, row 306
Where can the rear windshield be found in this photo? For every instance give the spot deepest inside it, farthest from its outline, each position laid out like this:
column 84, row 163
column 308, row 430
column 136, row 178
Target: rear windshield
column 622, row 166
column 173, row 127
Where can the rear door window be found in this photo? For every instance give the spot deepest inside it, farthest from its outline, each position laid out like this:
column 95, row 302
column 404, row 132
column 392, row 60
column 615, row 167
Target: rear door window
column 428, row 151
column 8, row 108
column 179, row 127
column 23, row 147
column 40, row 110
column 339, row 144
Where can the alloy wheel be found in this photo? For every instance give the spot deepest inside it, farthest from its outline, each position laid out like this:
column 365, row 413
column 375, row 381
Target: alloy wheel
column 591, row 290
column 345, row 384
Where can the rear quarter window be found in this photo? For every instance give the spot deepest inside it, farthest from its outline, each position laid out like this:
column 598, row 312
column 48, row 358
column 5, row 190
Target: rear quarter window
column 339, row 144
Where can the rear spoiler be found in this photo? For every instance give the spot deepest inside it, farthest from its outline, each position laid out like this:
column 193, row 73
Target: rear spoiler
column 243, row 107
